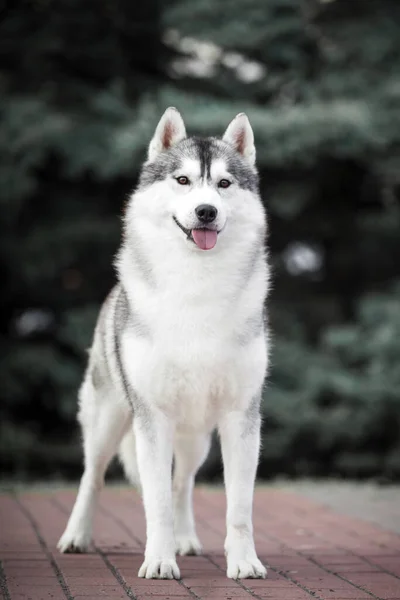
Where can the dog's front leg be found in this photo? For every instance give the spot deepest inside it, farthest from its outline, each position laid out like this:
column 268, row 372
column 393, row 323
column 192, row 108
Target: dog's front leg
column 240, row 441
column 154, row 440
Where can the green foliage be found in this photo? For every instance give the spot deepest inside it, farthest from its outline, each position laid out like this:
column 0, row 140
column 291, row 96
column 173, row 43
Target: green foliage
column 337, row 408
column 83, row 85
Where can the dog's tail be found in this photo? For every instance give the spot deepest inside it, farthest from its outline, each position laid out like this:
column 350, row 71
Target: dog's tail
column 127, row 456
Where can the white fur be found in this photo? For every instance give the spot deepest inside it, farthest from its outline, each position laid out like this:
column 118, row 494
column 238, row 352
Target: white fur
column 240, row 135
column 170, row 131
column 191, row 374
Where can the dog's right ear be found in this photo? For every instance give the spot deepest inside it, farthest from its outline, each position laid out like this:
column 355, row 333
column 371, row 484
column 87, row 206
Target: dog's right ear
column 170, row 130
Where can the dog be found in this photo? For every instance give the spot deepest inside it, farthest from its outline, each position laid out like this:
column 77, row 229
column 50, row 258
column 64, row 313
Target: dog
column 181, row 346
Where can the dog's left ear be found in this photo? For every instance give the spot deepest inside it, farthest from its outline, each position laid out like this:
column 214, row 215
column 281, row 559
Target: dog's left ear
column 239, row 134
column 170, row 130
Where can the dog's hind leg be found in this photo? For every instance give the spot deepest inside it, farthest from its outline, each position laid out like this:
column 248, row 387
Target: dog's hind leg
column 190, row 453
column 104, row 422
column 127, row 455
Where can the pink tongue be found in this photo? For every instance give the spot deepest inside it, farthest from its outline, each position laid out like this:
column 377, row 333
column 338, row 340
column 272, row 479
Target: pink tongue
column 204, row 238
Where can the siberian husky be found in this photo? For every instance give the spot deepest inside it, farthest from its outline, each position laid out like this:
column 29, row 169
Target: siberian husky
column 180, row 346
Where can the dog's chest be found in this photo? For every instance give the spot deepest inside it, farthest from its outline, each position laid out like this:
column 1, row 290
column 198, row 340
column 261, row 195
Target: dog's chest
column 195, row 391
column 189, row 359
column 190, row 370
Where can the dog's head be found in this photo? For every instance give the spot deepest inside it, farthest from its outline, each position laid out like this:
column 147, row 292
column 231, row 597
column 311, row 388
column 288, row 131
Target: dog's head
column 203, row 188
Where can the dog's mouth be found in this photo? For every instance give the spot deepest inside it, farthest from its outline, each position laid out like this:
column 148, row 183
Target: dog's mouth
column 204, row 238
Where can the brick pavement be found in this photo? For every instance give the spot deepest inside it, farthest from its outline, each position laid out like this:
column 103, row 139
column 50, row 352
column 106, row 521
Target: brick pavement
column 312, row 551
column 377, row 503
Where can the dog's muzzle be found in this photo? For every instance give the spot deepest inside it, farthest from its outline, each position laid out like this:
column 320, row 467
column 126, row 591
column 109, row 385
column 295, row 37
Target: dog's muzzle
column 205, row 238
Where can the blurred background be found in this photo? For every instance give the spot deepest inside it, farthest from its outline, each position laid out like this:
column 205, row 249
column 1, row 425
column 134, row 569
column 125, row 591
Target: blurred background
column 83, row 84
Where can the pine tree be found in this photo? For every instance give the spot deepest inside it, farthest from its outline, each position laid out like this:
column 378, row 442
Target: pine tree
column 83, row 86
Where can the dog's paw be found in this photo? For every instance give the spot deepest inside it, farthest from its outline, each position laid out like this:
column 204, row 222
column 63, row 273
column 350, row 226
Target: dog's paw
column 74, row 543
column 159, row 568
column 188, row 545
column 245, row 569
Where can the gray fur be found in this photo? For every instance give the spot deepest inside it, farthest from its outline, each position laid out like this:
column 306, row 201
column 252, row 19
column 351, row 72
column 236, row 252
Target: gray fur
column 99, row 370
column 158, row 170
column 124, row 318
column 252, row 420
column 116, row 316
column 141, row 328
column 255, row 255
column 121, row 316
column 103, row 336
column 97, row 377
column 246, row 177
column 253, row 327
column 127, row 318
column 205, row 151
column 142, row 264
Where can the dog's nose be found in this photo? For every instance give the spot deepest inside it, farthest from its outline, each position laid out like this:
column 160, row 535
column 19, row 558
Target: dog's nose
column 206, row 213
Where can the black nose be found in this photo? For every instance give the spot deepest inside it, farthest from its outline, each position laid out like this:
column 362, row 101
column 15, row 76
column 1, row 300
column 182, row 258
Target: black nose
column 206, row 213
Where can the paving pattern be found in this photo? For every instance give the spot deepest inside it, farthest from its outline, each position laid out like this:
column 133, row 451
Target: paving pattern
column 377, row 503
column 311, row 550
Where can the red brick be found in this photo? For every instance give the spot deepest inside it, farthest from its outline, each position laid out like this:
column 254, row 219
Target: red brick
column 376, row 578
column 326, row 581
column 43, row 571
column 210, row 591
column 269, row 584
column 34, row 593
column 357, row 568
column 82, row 572
column 26, row 580
column 100, row 593
column 90, row 579
column 44, row 595
column 333, row 593
column 162, row 596
column 292, row 593
column 158, row 588
column 213, row 581
column 288, row 530
column 115, row 596
column 26, row 564
column 340, row 558
column 91, row 590
column 213, row 597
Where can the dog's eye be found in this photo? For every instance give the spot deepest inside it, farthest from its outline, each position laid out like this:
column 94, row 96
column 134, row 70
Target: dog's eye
column 224, row 183
column 183, row 180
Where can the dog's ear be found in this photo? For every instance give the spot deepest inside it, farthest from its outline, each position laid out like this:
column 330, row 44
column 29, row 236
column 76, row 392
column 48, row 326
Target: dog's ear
column 170, row 130
column 239, row 134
